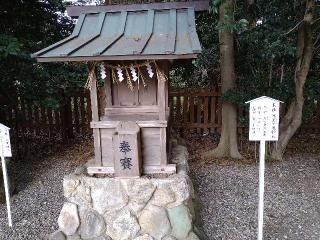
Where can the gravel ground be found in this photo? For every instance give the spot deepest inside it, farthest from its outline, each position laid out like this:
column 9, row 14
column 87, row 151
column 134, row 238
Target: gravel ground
column 229, row 197
column 227, row 191
column 39, row 198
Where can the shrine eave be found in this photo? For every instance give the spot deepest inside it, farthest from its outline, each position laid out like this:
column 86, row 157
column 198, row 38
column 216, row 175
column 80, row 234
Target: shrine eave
column 116, row 58
column 128, row 35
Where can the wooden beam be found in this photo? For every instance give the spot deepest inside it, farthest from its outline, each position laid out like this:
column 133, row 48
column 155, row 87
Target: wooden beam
column 168, row 169
column 131, row 110
column 107, row 87
column 115, row 57
column 141, row 124
column 162, row 95
column 163, row 146
column 75, row 11
column 95, row 114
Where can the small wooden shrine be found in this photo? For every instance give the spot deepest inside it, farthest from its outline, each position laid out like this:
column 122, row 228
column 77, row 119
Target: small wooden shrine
column 132, row 47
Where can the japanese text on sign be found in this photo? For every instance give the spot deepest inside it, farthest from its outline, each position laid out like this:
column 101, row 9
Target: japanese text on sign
column 264, row 120
column 5, row 146
column 126, row 161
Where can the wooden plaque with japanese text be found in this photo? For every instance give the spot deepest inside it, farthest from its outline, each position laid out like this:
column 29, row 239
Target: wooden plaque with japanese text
column 126, row 142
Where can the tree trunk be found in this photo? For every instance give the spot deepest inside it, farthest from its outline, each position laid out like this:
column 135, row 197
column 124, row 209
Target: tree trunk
column 293, row 117
column 228, row 146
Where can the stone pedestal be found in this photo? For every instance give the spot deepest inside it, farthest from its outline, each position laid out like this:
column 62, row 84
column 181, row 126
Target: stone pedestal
column 143, row 208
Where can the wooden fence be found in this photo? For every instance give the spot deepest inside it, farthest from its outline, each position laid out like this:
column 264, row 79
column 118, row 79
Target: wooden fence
column 29, row 119
column 198, row 109
column 195, row 109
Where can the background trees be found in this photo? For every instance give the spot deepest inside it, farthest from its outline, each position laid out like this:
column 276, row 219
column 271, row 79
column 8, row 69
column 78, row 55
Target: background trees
column 228, row 144
column 276, row 53
column 25, row 27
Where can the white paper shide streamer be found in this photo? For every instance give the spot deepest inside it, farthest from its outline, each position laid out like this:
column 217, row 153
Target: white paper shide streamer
column 120, row 74
column 103, row 71
column 149, row 69
column 133, row 74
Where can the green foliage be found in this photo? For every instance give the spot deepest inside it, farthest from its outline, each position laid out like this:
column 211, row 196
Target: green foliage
column 26, row 27
column 204, row 70
column 264, row 52
column 9, row 46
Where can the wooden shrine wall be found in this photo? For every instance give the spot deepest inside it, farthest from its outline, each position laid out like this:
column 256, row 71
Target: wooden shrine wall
column 142, row 96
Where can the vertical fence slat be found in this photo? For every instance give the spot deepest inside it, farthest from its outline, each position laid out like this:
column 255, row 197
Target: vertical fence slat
column 213, row 113
column 192, row 110
column 76, row 113
column 219, row 117
column 36, row 119
column 50, row 121
column 185, row 111
column 68, row 118
column 82, row 111
column 199, row 112
column 16, row 117
column 171, row 117
column 206, row 112
column 22, row 117
column 57, row 120
column 43, row 120
column 30, row 117
column 89, row 112
column 178, row 119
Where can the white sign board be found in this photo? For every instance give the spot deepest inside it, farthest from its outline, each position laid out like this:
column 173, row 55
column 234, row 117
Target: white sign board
column 264, row 119
column 263, row 126
column 5, row 146
column 5, row 151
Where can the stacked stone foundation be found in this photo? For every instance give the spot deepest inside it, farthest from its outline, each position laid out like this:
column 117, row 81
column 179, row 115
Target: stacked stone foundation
column 100, row 208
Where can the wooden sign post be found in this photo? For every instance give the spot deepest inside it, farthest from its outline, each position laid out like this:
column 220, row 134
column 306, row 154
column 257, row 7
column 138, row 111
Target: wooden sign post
column 264, row 126
column 5, row 151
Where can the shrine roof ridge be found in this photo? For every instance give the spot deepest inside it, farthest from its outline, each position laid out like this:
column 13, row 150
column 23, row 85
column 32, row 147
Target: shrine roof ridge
column 198, row 5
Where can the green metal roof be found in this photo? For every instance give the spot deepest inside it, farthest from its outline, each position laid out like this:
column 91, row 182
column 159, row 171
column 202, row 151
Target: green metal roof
column 128, row 35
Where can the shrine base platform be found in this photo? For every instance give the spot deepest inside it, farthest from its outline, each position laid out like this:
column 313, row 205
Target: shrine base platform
column 145, row 208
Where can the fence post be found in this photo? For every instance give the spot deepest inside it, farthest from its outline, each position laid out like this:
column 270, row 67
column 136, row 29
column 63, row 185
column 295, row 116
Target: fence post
column 66, row 117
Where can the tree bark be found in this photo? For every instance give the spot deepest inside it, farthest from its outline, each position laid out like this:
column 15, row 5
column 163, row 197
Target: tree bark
column 228, row 146
column 304, row 54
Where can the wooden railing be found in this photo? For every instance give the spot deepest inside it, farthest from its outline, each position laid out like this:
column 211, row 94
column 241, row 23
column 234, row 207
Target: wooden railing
column 28, row 118
column 195, row 109
column 198, row 109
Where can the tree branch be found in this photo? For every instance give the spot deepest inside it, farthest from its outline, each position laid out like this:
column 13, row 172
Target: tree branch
column 316, row 41
column 294, row 28
column 315, row 20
